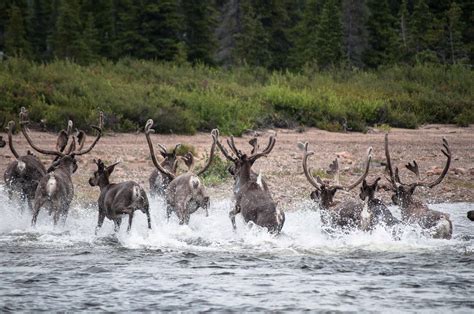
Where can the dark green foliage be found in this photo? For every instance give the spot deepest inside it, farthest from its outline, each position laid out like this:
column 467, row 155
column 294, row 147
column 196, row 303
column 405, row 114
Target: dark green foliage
column 199, row 30
column 329, row 35
column 160, row 27
column 382, row 34
column 217, row 172
column 67, row 39
column 16, row 43
column 276, row 35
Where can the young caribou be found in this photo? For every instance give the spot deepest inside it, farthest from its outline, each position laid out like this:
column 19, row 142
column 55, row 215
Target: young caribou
column 347, row 214
column 415, row 211
column 252, row 196
column 118, row 199
column 56, row 189
column 185, row 193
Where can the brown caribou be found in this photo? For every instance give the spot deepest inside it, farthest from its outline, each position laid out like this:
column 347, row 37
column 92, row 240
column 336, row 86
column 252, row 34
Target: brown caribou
column 375, row 212
column 252, row 196
column 24, row 173
column 118, row 199
column 185, row 193
column 56, row 189
column 415, row 211
column 346, row 214
column 159, row 182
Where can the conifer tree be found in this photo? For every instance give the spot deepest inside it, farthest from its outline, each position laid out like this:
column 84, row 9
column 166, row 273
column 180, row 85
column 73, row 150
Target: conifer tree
column 305, row 42
column 161, row 26
column 252, row 42
column 382, row 34
column 421, row 24
column 404, row 31
column 329, row 35
column 16, row 43
column 128, row 41
column 199, row 30
column 67, row 39
column 39, row 13
column 354, row 17
column 91, row 40
column 454, row 30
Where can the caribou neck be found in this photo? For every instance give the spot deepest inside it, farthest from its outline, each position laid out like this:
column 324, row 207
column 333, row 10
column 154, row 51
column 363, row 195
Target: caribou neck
column 244, row 174
column 103, row 182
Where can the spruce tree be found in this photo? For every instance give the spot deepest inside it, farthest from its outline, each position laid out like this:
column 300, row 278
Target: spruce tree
column 403, row 28
column 67, row 39
column 161, row 26
column 16, row 43
column 421, row 24
column 354, row 17
column 199, row 30
column 252, row 42
column 305, row 34
column 382, row 34
column 39, row 13
column 129, row 41
column 90, row 37
column 454, row 33
column 329, row 35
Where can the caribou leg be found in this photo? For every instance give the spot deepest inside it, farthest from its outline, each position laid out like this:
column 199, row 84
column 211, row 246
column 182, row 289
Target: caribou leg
column 130, row 219
column 232, row 215
column 100, row 221
column 117, row 223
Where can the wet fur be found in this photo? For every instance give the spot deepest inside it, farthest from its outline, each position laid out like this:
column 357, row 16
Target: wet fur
column 22, row 177
column 185, row 195
column 56, row 197
column 118, row 199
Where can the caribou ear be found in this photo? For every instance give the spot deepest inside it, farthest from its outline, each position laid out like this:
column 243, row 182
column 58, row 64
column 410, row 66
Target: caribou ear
column 111, row 168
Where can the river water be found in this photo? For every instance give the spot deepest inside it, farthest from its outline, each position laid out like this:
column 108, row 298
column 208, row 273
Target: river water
column 207, row 266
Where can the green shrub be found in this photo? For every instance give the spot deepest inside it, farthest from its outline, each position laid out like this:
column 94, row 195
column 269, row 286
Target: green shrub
column 183, row 99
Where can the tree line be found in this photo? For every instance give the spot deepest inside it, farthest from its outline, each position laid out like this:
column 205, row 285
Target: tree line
column 274, row 34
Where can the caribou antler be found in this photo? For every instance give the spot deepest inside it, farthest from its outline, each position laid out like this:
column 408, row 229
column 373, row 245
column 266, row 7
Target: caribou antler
column 447, row 152
column 307, row 171
column 24, row 121
column 361, row 178
column 63, row 137
column 221, row 147
column 96, row 140
column 255, row 155
column 160, row 168
column 413, row 167
column 211, row 154
column 9, row 129
column 392, row 177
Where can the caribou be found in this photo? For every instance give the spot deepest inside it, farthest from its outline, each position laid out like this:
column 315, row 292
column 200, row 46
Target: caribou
column 158, row 182
column 118, row 199
column 346, row 214
column 374, row 212
column 56, row 189
column 252, row 196
column 24, row 173
column 415, row 211
column 185, row 193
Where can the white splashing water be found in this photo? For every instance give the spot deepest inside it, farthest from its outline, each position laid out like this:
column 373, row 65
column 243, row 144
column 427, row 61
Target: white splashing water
column 302, row 233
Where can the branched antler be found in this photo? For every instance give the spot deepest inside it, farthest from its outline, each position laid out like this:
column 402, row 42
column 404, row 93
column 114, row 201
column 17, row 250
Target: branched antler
column 158, row 166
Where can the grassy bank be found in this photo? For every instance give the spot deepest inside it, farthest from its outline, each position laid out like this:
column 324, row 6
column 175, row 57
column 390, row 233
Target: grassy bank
column 184, row 99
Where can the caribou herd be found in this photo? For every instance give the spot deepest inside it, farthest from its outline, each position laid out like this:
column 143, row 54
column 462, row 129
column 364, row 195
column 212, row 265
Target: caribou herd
column 52, row 188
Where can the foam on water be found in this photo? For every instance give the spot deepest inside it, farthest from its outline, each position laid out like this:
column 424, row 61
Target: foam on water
column 302, row 233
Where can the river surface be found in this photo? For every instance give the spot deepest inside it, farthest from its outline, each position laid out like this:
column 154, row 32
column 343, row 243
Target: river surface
column 206, row 266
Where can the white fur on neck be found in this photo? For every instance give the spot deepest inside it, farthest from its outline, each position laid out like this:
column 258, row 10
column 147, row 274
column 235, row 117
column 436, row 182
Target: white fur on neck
column 259, row 180
column 21, row 166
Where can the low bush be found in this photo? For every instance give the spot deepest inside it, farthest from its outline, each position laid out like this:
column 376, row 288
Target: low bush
column 185, row 99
